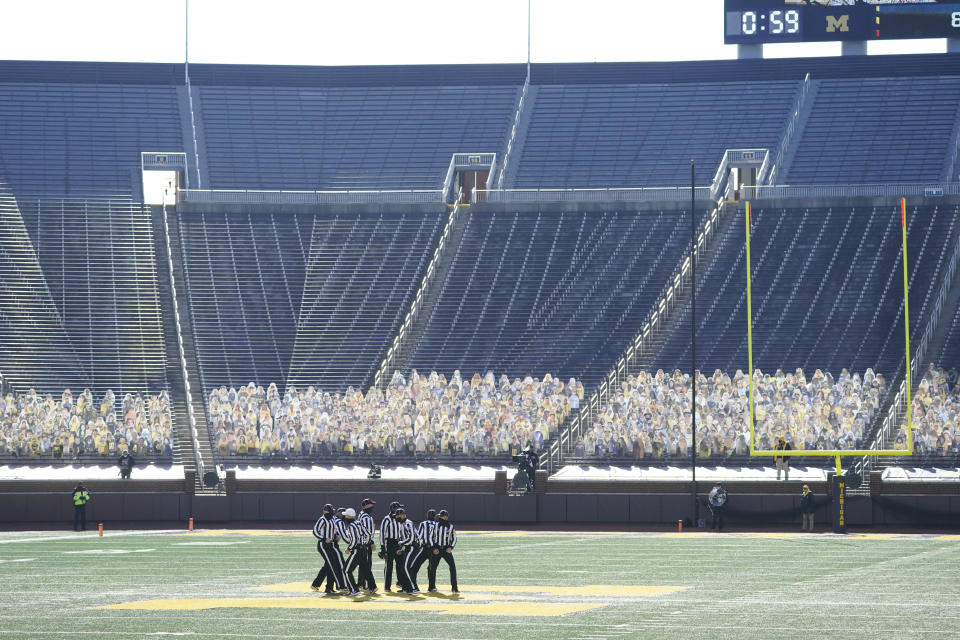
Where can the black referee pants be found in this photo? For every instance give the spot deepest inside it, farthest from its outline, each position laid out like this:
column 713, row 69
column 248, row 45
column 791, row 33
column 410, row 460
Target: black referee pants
column 332, row 565
column 390, row 555
column 365, row 569
column 415, row 560
column 403, row 578
column 435, row 559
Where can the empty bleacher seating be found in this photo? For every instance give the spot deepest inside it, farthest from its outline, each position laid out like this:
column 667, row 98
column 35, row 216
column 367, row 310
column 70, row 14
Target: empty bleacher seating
column 827, row 289
column 632, row 135
column 875, row 130
column 88, row 284
column 550, row 290
column 300, row 138
column 304, row 299
column 65, row 138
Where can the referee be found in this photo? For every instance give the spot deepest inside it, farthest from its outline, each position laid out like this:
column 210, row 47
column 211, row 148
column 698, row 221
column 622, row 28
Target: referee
column 325, row 530
column 365, row 563
column 421, row 547
column 443, row 540
column 389, row 532
column 353, row 536
column 405, row 539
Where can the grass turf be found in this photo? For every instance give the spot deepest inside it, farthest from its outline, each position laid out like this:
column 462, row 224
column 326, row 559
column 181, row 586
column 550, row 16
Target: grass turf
column 736, row 586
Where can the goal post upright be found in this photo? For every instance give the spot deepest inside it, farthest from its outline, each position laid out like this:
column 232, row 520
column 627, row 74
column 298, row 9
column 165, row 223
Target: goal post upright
column 753, row 446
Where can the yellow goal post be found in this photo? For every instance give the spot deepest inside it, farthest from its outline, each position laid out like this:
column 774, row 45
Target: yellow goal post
column 906, row 335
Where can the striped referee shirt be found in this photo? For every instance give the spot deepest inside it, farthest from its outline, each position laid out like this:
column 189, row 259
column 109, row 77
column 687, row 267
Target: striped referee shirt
column 366, row 525
column 406, row 534
column 325, row 529
column 443, row 536
column 344, row 531
column 424, row 531
column 389, row 530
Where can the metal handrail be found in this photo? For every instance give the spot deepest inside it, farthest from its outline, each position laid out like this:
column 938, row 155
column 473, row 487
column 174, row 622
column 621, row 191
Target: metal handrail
column 513, row 131
column 789, row 133
column 417, row 305
column 637, row 194
column 250, row 196
column 928, row 190
column 182, row 352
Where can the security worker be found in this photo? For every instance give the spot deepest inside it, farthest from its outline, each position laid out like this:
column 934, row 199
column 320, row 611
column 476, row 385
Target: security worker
column 405, row 539
column 80, row 499
column 783, row 462
column 421, row 547
column 442, row 542
column 388, row 544
column 325, row 530
column 365, row 562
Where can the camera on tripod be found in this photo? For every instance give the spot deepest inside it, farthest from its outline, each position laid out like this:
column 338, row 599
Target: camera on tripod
column 375, row 472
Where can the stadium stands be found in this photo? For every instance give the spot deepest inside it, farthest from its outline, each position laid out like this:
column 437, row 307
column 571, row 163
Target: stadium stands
column 550, row 290
column 635, row 135
column 936, row 426
column 34, row 426
column 423, row 416
column 303, row 299
column 649, row 416
column 87, row 274
column 311, row 298
column 878, row 130
column 348, row 138
column 827, row 289
column 70, row 139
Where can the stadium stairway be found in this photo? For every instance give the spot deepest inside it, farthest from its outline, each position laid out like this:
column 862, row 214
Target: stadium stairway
column 171, row 257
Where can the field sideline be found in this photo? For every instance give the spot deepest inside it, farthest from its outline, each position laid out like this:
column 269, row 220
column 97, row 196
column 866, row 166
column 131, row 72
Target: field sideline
column 254, row 584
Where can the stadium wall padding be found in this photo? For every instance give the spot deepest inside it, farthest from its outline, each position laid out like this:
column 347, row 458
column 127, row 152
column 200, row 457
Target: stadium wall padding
column 643, row 510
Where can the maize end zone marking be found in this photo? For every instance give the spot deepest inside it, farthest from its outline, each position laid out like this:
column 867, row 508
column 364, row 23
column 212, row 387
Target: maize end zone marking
column 748, row 220
column 447, row 604
column 539, row 609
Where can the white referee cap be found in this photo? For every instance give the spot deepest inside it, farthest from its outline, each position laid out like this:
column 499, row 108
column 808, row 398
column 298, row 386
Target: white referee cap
column 350, row 513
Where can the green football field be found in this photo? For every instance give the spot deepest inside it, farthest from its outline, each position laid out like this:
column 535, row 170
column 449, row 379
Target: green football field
column 254, row 584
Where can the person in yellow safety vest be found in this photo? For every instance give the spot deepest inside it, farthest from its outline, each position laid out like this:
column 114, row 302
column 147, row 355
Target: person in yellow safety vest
column 80, row 499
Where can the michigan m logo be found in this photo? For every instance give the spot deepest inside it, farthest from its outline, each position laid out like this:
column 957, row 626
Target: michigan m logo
column 838, row 24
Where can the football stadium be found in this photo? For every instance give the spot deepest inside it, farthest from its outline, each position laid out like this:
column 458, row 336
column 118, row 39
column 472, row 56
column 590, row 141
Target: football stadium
column 649, row 349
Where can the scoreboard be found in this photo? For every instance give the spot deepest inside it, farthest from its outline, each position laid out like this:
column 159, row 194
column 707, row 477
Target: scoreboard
column 762, row 21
